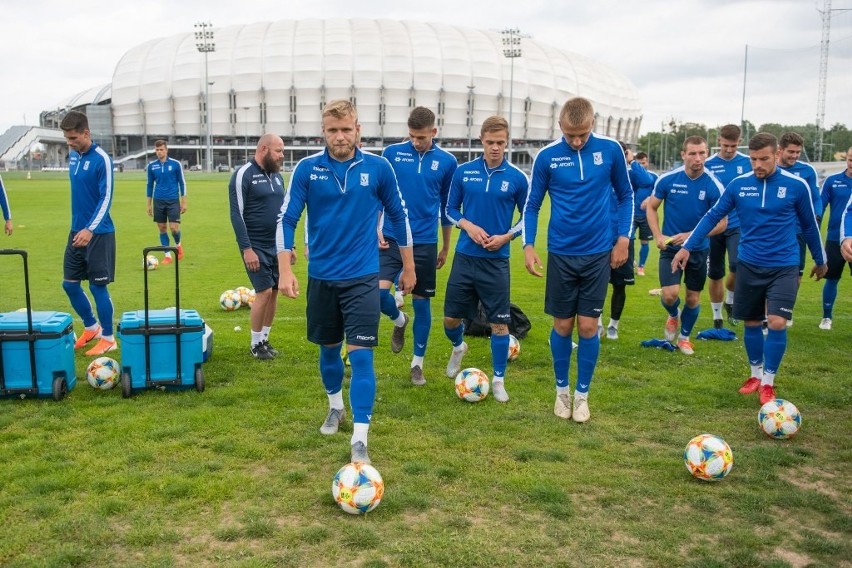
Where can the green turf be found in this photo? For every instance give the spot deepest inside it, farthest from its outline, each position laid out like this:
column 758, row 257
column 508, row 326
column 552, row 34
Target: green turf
column 240, row 476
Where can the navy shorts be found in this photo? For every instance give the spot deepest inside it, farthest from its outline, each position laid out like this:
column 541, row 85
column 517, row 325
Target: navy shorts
column 696, row 269
column 576, row 285
column 166, row 210
column 94, row 262
column 267, row 275
column 760, row 291
column 727, row 242
column 425, row 263
column 623, row 275
column 475, row 279
column 801, row 239
column 835, row 260
column 344, row 308
column 641, row 229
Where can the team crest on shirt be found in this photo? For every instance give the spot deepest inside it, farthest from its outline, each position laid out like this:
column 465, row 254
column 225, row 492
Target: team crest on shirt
column 782, row 192
column 739, row 169
column 434, row 165
column 701, row 195
column 365, row 180
column 598, row 157
column 86, row 165
column 504, row 186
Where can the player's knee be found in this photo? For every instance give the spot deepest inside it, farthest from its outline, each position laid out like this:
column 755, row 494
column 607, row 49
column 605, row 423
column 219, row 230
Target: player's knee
column 451, row 323
column 70, row 286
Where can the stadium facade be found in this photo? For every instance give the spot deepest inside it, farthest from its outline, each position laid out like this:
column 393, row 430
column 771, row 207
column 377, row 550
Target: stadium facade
column 276, row 77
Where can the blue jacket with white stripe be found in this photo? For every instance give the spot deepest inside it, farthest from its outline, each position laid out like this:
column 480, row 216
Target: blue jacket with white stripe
column 92, row 188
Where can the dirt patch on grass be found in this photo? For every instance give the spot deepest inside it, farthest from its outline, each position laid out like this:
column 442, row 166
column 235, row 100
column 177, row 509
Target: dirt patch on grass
column 794, row 559
column 817, row 480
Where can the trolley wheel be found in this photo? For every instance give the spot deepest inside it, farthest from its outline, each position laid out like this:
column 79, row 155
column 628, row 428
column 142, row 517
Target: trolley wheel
column 60, row 387
column 199, row 379
column 126, row 386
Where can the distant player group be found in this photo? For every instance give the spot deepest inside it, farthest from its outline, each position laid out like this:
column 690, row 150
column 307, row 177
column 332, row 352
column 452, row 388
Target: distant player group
column 372, row 221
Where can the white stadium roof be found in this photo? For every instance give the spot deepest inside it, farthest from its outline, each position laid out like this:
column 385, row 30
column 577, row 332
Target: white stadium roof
column 275, row 76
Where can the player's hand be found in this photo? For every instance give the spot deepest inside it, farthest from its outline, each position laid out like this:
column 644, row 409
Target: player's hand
column 476, row 233
column 407, row 280
column 678, row 239
column 496, row 242
column 663, row 241
column 82, row 238
column 619, row 252
column 383, row 244
column 8, row 227
column 251, row 260
column 680, row 259
column 150, row 211
column 288, row 285
column 183, row 206
column 442, row 258
column 293, row 256
column 819, row 271
column 644, row 205
column 532, row 261
column 846, row 249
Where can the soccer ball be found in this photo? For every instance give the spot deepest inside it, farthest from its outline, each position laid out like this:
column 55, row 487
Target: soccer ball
column 708, row 457
column 472, row 385
column 151, row 262
column 251, row 297
column 357, row 488
column 514, row 347
column 779, row 418
column 230, row 300
column 103, row 373
column 244, row 295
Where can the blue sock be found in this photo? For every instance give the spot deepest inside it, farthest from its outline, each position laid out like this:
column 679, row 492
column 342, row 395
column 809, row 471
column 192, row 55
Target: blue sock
column 103, row 303
column 388, row 304
column 422, row 324
column 331, row 368
column 776, row 344
column 587, row 359
column 456, row 336
column 176, row 237
column 164, row 239
column 499, row 354
column 560, row 351
column 753, row 342
column 80, row 302
column 362, row 390
column 643, row 253
column 688, row 317
column 829, row 295
column 671, row 309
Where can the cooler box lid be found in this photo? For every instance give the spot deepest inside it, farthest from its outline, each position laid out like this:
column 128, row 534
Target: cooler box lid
column 160, row 318
column 43, row 322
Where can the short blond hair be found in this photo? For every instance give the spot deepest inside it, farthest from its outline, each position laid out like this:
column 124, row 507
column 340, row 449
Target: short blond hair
column 493, row 124
column 340, row 108
column 576, row 111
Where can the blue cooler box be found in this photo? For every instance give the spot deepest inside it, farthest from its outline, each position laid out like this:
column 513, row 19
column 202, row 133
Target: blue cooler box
column 163, row 335
column 54, row 355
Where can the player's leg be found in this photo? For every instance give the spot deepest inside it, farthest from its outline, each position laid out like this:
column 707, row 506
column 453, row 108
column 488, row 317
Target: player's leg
column 265, row 284
column 325, row 328
column 780, row 300
column 159, row 209
column 716, row 274
column 645, row 235
column 750, row 308
column 390, row 265
column 100, row 262
column 835, row 263
column 620, row 278
column 492, row 287
column 670, row 294
column 560, row 301
column 460, row 301
column 594, row 271
column 694, row 278
column 74, row 270
column 732, row 241
column 425, row 262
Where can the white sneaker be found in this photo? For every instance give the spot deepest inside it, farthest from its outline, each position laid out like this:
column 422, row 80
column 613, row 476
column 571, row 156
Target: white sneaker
column 825, row 323
column 789, row 323
column 612, row 332
column 454, row 364
column 581, row 409
column 399, row 299
column 562, row 406
column 600, row 330
column 499, row 390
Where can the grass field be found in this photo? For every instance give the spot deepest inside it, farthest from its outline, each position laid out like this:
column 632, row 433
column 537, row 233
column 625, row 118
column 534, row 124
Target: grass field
column 240, row 476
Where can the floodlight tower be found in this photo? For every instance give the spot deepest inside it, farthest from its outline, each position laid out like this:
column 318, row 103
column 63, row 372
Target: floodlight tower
column 204, row 44
column 511, row 49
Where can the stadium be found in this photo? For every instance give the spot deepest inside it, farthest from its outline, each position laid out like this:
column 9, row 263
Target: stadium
column 276, row 76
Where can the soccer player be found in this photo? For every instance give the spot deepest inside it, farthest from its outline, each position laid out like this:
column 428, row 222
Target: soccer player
column 580, row 171
column 836, row 192
column 344, row 190
column 166, row 196
column 726, row 164
column 483, row 195
column 424, row 172
column 846, row 232
column 790, row 148
column 6, row 210
column 769, row 201
column 90, row 251
column 256, row 193
column 642, row 189
column 689, row 192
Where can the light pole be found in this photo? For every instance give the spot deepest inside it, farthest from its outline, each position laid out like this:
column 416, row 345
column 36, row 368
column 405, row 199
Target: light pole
column 245, row 121
column 204, row 44
column 511, row 49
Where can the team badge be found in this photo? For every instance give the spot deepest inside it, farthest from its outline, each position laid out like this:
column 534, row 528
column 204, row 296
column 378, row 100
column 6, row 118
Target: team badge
column 365, row 180
column 701, row 195
column 504, row 186
column 86, row 166
column 170, row 168
column 434, row 165
column 782, row 192
column 739, row 169
column 598, row 158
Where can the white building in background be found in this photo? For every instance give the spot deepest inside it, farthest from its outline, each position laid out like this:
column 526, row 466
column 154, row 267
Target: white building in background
column 276, row 77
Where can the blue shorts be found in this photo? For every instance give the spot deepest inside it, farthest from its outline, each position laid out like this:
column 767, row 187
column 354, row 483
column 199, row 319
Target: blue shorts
column 576, row 285
column 166, row 210
column 728, row 241
column 623, row 275
column 425, row 263
column 267, row 275
column 94, row 262
column 695, row 273
column 835, row 261
column 641, row 229
column 475, row 279
column 338, row 308
column 760, row 291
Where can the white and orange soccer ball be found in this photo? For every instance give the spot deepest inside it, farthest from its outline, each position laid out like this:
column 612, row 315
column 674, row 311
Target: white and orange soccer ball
column 230, row 300
column 514, row 347
column 779, row 419
column 151, row 262
column 244, row 293
column 357, row 488
column 103, row 373
column 708, row 457
column 472, row 385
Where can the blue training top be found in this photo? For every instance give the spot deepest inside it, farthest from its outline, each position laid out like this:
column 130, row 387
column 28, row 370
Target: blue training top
column 768, row 210
column 255, row 197
column 487, row 198
column 165, row 180
column 686, row 201
column 4, row 202
column 836, row 191
column 342, row 214
column 643, row 182
column 809, row 175
column 725, row 171
column 91, row 190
